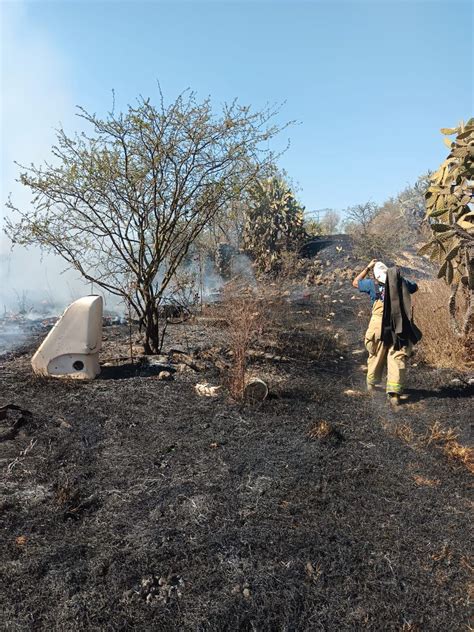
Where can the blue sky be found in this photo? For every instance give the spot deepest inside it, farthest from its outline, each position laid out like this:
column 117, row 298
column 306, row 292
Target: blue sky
column 370, row 83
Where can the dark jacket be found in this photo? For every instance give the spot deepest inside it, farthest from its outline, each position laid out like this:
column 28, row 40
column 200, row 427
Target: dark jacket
column 398, row 328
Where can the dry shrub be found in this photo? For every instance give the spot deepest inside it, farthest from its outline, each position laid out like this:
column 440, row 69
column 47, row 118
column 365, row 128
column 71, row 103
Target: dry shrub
column 245, row 316
column 291, row 265
column 439, row 347
column 374, row 245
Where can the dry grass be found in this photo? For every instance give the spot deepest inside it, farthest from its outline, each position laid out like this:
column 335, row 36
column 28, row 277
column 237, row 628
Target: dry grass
column 446, row 438
column 422, row 481
column 438, row 434
column 404, row 432
column 440, row 347
column 321, row 430
column 444, row 554
column 460, row 454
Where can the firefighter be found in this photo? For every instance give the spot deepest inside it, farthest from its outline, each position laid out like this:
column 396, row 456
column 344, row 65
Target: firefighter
column 391, row 332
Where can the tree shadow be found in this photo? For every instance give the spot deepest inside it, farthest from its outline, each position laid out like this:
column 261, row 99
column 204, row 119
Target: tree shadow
column 129, row 370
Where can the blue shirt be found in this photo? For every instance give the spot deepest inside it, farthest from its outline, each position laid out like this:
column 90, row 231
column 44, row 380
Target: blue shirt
column 377, row 292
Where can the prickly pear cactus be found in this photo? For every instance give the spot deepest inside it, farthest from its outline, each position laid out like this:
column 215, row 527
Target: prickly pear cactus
column 274, row 223
column 450, row 213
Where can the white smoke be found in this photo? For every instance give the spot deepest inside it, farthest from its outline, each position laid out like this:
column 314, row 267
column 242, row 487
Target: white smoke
column 35, row 99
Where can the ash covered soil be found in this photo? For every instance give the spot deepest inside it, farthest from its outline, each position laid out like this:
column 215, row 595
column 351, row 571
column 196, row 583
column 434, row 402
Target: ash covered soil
column 131, row 503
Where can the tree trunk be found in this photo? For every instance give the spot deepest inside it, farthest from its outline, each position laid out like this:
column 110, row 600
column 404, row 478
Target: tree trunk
column 152, row 343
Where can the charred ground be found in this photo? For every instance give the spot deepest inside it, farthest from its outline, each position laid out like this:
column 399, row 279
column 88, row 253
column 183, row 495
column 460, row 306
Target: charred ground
column 131, row 503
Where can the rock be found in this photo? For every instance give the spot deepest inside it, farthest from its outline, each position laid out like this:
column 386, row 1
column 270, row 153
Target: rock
column 165, row 376
column 246, row 593
column 184, row 368
column 206, row 390
column 236, row 589
column 353, row 393
column 157, row 360
column 147, row 582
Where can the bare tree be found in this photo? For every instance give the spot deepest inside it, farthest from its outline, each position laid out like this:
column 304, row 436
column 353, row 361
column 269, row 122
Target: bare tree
column 330, row 222
column 362, row 215
column 372, row 231
column 123, row 204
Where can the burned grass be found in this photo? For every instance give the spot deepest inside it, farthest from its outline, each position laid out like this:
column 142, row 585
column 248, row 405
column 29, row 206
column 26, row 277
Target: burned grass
column 135, row 504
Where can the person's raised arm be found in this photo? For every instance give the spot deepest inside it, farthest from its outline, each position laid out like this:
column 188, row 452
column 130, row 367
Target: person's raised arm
column 363, row 274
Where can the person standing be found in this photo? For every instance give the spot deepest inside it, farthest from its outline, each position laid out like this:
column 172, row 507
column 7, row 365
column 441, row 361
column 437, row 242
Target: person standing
column 391, row 332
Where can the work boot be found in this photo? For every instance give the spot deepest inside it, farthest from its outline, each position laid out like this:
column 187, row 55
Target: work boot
column 394, row 399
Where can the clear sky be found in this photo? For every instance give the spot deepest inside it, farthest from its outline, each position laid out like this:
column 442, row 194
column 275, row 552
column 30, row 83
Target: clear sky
column 370, row 83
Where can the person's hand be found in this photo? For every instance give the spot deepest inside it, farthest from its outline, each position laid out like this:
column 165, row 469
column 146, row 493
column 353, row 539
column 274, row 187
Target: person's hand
column 371, row 264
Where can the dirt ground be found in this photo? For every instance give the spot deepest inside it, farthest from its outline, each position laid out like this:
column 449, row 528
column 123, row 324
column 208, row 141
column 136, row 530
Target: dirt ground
column 131, row 503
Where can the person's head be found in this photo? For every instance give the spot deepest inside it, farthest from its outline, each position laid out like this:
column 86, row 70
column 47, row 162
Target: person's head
column 380, row 272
